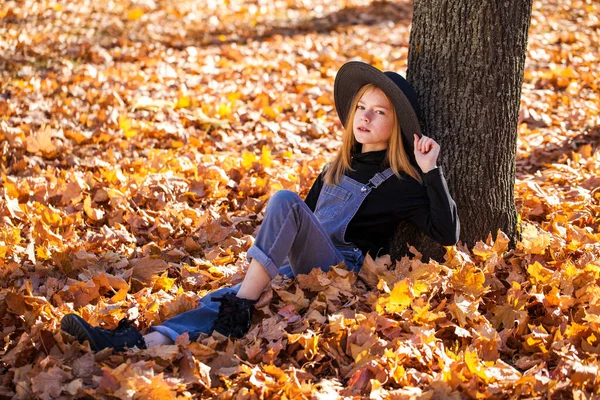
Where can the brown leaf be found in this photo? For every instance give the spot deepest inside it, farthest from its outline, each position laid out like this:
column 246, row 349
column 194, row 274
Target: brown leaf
column 372, row 270
column 48, row 385
column 144, row 269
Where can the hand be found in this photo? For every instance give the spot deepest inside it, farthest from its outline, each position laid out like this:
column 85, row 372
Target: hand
column 426, row 153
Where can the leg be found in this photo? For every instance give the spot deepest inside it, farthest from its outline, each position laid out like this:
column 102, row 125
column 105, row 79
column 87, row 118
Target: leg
column 254, row 282
column 290, row 229
column 156, row 338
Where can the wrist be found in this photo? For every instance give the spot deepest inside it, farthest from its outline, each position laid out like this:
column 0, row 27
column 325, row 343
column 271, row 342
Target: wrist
column 429, row 169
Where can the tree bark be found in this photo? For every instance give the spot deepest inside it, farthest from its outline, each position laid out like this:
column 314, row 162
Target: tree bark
column 466, row 62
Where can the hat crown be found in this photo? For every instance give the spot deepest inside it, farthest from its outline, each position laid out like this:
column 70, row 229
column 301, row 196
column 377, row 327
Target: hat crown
column 407, row 89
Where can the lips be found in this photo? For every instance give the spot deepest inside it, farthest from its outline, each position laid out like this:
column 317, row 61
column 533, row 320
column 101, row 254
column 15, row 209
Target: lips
column 363, row 129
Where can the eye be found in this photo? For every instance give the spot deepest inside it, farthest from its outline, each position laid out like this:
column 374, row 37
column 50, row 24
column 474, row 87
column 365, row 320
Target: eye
column 380, row 112
column 359, row 107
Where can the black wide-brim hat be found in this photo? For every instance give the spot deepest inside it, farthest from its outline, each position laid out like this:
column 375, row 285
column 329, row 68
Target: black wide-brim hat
column 355, row 74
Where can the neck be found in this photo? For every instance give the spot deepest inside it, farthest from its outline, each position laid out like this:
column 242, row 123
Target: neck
column 372, row 147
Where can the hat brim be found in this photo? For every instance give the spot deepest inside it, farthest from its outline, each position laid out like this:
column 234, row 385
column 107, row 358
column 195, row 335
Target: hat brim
column 354, row 75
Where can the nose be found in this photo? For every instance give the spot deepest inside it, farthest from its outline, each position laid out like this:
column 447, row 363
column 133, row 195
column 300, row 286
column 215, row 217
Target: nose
column 364, row 117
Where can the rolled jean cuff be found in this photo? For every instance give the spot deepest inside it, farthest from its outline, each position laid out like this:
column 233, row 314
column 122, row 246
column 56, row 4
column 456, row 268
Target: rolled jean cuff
column 261, row 257
column 166, row 331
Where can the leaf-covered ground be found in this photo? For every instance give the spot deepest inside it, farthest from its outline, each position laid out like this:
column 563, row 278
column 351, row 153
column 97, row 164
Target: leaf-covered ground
column 140, row 141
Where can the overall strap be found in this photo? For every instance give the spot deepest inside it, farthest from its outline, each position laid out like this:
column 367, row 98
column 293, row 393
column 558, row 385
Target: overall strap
column 377, row 180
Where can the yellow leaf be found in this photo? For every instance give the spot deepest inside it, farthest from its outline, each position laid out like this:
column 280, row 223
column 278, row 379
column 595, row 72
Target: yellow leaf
column 121, row 295
column 224, row 110
column 183, row 102
column 124, row 123
column 199, row 117
column 469, row 280
column 271, row 112
column 248, row 159
column 474, row 365
column 533, row 240
column 400, row 297
column 265, row 159
column 593, row 269
column 51, row 216
column 308, row 340
column 135, row 14
column 538, row 273
column 163, row 282
column 420, row 287
column 42, row 253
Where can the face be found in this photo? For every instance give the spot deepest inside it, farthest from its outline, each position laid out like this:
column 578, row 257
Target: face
column 373, row 121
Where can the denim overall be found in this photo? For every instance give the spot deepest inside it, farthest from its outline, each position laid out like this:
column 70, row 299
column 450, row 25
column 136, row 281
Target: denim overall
column 292, row 240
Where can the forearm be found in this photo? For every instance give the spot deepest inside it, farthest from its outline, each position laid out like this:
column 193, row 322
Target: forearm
column 443, row 223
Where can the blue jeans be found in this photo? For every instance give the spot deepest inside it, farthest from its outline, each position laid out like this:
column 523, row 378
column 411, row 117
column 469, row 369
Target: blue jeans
column 291, row 241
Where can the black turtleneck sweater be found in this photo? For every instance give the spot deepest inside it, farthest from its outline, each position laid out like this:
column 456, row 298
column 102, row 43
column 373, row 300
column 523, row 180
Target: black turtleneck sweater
column 429, row 206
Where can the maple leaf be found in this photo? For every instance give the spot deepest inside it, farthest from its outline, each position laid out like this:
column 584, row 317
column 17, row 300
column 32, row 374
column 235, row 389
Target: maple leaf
column 462, row 308
column 48, row 384
column 469, row 280
column 398, row 299
column 475, row 365
column 146, row 268
column 298, row 299
column 41, row 142
column 193, row 370
column 539, row 274
column 505, row 316
column 533, row 240
column 372, row 270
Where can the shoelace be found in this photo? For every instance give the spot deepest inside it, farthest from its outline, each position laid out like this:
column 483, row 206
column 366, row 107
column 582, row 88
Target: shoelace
column 121, row 328
column 232, row 300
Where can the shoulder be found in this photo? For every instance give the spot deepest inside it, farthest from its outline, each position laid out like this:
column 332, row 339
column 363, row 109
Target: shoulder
column 403, row 186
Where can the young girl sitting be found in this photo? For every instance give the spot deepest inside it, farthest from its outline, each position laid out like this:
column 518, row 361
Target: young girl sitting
column 353, row 208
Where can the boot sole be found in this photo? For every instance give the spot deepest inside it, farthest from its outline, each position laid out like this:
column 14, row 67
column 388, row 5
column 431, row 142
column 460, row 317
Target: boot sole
column 73, row 326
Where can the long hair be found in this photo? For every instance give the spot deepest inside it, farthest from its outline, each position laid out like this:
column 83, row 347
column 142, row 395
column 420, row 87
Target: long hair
column 395, row 156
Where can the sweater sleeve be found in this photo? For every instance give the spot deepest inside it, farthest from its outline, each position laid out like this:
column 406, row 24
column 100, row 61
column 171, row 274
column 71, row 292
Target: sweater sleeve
column 313, row 194
column 439, row 220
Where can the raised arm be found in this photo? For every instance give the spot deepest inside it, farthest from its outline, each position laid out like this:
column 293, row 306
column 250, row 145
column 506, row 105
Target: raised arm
column 440, row 219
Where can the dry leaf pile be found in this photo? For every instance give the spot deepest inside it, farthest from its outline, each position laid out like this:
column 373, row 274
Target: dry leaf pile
column 140, row 141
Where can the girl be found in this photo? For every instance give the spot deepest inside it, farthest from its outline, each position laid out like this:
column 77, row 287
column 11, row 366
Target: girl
column 385, row 172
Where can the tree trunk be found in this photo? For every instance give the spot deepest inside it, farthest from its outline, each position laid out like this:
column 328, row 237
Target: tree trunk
column 466, row 62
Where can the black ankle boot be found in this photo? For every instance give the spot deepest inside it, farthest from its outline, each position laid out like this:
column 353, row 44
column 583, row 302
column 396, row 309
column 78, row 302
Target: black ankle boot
column 235, row 315
column 119, row 339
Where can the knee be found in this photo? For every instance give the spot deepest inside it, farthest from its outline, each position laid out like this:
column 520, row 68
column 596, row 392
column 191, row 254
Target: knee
column 284, row 198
